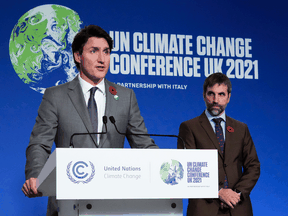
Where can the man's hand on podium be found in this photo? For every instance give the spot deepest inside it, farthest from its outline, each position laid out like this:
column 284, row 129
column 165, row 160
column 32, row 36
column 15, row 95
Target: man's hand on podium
column 29, row 188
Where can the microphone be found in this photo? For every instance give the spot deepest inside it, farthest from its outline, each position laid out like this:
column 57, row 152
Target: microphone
column 104, row 119
column 113, row 121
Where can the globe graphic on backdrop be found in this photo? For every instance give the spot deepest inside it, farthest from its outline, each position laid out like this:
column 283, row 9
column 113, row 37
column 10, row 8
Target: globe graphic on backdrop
column 171, row 172
column 40, row 46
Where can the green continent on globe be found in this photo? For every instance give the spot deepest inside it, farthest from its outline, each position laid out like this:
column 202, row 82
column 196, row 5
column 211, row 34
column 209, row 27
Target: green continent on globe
column 164, row 171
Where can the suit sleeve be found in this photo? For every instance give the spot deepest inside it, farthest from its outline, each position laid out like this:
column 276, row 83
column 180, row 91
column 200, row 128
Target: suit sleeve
column 42, row 136
column 251, row 166
column 188, row 137
column 136, row 125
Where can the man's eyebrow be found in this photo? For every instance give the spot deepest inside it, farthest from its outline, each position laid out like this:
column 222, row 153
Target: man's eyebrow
column 98, row 48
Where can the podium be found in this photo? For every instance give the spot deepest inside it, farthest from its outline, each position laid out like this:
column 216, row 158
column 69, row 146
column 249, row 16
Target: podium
column 128, row 181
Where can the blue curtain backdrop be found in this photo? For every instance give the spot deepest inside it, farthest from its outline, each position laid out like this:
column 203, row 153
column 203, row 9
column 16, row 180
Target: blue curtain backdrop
column 256, row 63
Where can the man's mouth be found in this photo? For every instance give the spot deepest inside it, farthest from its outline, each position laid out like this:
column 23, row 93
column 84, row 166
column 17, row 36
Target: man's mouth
column 100, row 68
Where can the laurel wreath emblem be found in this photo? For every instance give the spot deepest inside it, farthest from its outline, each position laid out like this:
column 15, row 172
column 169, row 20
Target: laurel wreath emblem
column 77, row 182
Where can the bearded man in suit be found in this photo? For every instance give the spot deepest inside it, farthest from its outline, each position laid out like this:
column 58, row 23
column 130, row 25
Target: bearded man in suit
column 238, row 164
column 74, row 107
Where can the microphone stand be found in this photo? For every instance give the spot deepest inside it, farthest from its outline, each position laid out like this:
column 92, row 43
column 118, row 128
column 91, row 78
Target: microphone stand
column 104, row 119
column 113, row 121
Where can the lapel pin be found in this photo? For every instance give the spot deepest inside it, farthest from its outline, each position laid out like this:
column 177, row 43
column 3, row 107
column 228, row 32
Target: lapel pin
column 230, row 129
column 113, row 91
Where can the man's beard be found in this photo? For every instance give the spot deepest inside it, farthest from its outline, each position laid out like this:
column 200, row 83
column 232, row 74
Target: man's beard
column 215, row 111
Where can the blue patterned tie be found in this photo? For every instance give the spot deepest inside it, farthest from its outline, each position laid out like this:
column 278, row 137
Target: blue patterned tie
column 220, row 137
column 92, row 109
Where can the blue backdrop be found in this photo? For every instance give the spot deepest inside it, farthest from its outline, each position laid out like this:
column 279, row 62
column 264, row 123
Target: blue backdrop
column 245, row 39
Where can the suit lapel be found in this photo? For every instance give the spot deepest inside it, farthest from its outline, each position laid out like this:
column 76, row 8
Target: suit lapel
column 204, row 122
column 229, row 134
column 108, row 111
column 76, row 95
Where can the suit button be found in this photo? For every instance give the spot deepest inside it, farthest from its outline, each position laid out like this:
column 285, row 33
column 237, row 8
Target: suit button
column 225, row 165
column 221, row 183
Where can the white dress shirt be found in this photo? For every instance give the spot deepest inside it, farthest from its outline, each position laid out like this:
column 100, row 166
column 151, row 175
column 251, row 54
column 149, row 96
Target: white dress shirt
column 100, row 98
column 213, row 124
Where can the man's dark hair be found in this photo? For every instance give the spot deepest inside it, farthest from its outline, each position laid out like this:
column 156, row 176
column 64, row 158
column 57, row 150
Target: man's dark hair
column 217, row 78
column 82, row 37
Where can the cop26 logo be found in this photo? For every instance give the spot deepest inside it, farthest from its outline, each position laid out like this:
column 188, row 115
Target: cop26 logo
column 80, row 172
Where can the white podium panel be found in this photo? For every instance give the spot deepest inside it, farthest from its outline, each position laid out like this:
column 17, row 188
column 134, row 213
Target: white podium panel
column 129, row 207
column 136, row 173
column 135, row 207
column 128, row 181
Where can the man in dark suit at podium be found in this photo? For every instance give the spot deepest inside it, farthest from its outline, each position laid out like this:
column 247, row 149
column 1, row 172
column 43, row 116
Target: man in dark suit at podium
column 78, row 107
column 238, row 164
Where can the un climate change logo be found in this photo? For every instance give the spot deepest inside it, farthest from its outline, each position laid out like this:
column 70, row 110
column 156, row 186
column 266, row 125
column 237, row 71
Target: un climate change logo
column 80, row 172
column 171, row 172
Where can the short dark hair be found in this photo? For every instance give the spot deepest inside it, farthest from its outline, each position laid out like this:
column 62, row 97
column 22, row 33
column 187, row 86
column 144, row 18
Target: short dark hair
column 217, row 78
column 84, row 34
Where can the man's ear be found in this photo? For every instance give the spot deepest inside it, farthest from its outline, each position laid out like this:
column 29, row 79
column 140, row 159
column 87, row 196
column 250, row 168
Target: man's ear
column 77, row 57
column 229, row 96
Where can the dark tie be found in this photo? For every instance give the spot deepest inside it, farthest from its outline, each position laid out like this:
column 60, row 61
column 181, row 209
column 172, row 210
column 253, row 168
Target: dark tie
column 220, row 137
column 92, row 109
column 219, row 133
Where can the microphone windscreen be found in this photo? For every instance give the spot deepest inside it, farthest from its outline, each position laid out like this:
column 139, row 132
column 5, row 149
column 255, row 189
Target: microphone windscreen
column 112, row 119
column 105, row 119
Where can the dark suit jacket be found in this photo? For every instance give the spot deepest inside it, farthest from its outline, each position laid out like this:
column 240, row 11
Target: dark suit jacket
column 240, row 164
column 63, row 112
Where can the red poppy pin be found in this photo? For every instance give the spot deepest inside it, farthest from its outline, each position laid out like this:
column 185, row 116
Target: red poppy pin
column 113, row 91
column 230, row 129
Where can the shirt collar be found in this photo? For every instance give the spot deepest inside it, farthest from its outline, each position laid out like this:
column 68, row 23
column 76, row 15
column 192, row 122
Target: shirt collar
column 87, row 86
column 210, row 117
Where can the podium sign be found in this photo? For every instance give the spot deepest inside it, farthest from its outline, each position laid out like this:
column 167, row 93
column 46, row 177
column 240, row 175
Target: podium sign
column 136, row 173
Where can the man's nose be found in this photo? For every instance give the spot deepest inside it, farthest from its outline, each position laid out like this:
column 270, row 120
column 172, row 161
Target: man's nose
column 215, row 99
column 101, row 57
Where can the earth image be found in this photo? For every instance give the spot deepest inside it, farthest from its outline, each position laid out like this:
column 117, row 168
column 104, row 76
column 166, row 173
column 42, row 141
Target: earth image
column 171, row 172
column 40, row 46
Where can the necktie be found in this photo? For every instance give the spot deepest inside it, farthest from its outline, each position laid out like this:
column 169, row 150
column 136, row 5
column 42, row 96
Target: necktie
column 92, row 109
column 219, row 133
column 220, row 137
